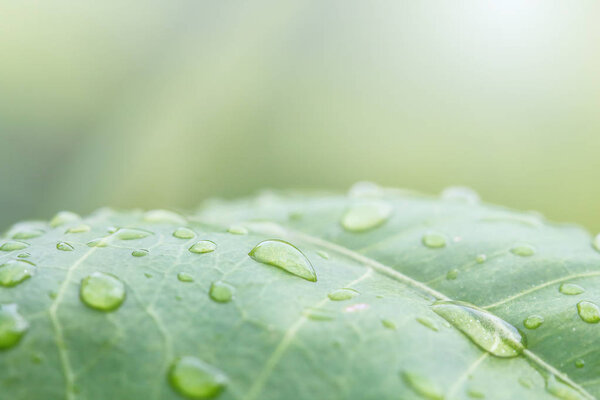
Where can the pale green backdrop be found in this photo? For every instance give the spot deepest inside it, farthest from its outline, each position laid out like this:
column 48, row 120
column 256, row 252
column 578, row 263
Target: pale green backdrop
column 164, row 103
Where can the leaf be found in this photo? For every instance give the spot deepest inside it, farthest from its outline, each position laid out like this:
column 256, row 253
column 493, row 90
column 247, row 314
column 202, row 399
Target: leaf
column 370, row 327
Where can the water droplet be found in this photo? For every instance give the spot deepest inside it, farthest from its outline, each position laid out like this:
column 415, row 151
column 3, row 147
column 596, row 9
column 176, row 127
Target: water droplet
column 427, row 322
column 561, row 390
column 533, row 321
column 195, row 379
column 52, row 294
column 285, row 256
column 481, row 258
column 102, row 291
column 318, row 314
column 79, row 229
column 131, row 234
column 452, row 274
column 100, row 242
column 523, row 250
column 221, row 292
column 434, row 240
column 14, row 272
column 489, row 332
column 203, row 246
column 148, row 275
column 184, row 233
column 164, row 217
column 588, row 311
column 237, row 230
column 27, row 234
column 461, row 193
column 63, row 217
column 323, row 254
column 12, row 326
column 295, row 216
column 342, row 294
column 24, row 255
column 140, row 253
column 422, row 386
column 12, row 246
column 64, row 246
column 362, row 217
column 475, row 394
column 579, row 363
column 596, row 242
column 570, row 289
column 185, row 277
column 388, row 324
column 526, row 383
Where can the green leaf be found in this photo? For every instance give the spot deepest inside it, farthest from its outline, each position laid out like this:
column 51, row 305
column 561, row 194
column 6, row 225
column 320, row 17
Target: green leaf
column 379, row 318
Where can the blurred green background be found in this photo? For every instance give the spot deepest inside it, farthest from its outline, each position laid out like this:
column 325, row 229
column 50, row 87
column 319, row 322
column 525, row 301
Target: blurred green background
column 165, row 103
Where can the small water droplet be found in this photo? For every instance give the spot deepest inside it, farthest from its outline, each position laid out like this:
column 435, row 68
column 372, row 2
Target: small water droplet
column 526, row 383
column 323, row 254
column 489, row 332
column 64, row 246
column 14, row 272
column 184, row 233
column 523, row 250
column 434, row 240
column 422, row 386
column 579, row 363
column 24, row 255
column 52, row 294
column 195, row 379
column 481, row 258
column 388, row 324
column 342, row 294
column 79, row 229
column 148, row 275
column 561, row 390
column 185, row 277
column 64, row 217
column 164, row 217
column 570, row 289
column 237, row 230
column 295, row 216
column 203, row 246
column 533, row 321
column 27, row 234
column 452, row 274
column 12, row 246
column 588, row 311
column 475, row 394
column 362, row 217
column 12, row 326
column 100, row 242
column 427, row 322
column 221, row 292
column 102, row 291
column 318, row 314
column 131, row 234
column 140, row 253
column 285, row 256
column 461, row 193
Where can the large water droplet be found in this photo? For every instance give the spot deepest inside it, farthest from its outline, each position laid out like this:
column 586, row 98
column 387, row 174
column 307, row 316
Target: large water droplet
column 523, row 250
column 489, row 332
column 221, row 292
column 14, row 272
column 285, row 256
column 164, row 217
column 102, row 291
column 460, row 193
column 12, row 246
column 362, row 217
column 195, row 379
column 64, row 217
column 203, row 246
column 570, row 289
column 12, row 326
column 131, row 234
column 237, row 230
column 561, row 390
column 434, row 240
column 342, row 294
column 422, row 386
column 533, row 321
column 185, row 277
column 184, row 233
column 79, row 229
column 140, row 253
column 588, row 311
column 64, row 246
